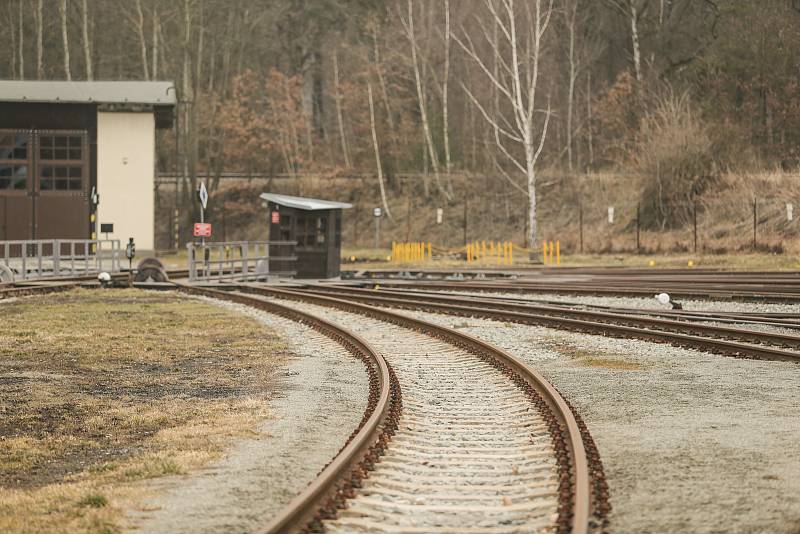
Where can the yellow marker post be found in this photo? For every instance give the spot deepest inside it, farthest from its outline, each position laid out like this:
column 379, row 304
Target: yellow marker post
column 468, row 252
column 558, row 252
column 511, row 252
column 483, row 249
column 430, row 251
column 544, row 252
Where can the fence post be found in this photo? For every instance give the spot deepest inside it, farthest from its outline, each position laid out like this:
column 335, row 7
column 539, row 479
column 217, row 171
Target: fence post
column 580, row 224
column 694, row 223
column 755, row 223
column 637, row 228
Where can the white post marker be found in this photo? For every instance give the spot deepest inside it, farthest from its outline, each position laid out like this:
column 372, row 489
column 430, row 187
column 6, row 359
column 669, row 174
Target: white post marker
column 439, row 215
column 789, row 211
column 377, row 212
column 611, row 215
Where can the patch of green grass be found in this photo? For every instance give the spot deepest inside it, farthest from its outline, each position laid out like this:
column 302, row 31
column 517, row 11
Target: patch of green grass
column 592, row 358
column 94, row 500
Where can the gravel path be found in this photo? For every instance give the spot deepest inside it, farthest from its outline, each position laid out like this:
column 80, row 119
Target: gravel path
column 321, row 400
column 691, row 442
column 471, row 454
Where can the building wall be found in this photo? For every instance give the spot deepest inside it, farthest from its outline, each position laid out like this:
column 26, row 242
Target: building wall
column 125, row 177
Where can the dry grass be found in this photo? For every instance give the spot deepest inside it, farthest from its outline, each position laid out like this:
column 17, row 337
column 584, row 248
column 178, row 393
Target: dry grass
column 101, row 389
column 591, row 358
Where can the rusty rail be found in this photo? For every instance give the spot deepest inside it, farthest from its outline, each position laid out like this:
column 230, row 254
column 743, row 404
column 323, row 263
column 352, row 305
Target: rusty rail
column 582, row 492
column 336, row 481
column 636, row 327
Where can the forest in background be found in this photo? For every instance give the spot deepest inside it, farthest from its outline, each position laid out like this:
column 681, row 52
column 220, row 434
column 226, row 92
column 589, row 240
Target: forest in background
column 489, row 103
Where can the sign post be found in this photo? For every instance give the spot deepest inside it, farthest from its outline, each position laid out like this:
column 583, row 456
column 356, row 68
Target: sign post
column 376, row 212
column 202, row 193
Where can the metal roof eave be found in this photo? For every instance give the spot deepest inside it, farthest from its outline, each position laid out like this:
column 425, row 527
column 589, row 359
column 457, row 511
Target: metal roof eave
column 304, row 203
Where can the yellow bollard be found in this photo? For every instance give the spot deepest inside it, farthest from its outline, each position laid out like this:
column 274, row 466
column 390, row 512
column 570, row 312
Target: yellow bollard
column 430, row 251
column 558, row 252
column 544, row 252
column 552, row 252
column 468, row 253
column 483, row 249
column 511, row 253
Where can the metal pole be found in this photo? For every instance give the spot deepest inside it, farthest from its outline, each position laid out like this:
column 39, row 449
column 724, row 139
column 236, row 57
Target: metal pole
column 377, row 231
column 694, row 223
column 755, row 223
column 465, row 211
column 580, row 223
column 637, row 227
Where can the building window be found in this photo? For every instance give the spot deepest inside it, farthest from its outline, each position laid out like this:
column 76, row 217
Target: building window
column 60, row 178
column 13, row 162
column 322, row 230
column 61, row 147
column 61, row 158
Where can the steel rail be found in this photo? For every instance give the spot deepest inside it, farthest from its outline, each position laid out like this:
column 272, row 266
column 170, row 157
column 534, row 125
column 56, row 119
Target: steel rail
column 780, row 320
column 586, row 493
column 599, row 289
column 336, row 481
column 672, row 325
column 29, row 290
column 588, row 324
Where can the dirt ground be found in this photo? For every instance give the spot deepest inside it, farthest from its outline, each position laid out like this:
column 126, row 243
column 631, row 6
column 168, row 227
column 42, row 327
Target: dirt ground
column 100, row 390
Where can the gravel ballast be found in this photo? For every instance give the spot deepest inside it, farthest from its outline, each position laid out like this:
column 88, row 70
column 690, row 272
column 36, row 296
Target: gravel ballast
column 690, row 441
column 320, row 402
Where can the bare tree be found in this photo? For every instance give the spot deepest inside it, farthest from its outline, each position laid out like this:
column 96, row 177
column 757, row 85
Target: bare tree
column 156, row 27
column 408, row 25
column 629, row 10
column 445, row 125
column 21, row 44
column 65, row 38
column 87, row 52
column 376, row 147
column 39, row 49
column 518, row 58
column 339, row 119
column 138, row 23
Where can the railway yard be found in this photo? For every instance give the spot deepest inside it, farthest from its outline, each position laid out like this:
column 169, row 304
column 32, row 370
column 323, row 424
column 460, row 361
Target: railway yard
column 519, row 400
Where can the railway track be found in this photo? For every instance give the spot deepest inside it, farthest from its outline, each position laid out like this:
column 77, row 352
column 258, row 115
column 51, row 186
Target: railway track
column 722, row 340
column 484, row 444
column 763, row 287
column 778, row 320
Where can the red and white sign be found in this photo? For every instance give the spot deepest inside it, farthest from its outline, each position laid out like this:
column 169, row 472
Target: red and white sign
column 276, row 217
column 202, row 229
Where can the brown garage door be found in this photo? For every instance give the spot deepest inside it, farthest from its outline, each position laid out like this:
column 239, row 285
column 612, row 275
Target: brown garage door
column 44, row 180
column 16, row 186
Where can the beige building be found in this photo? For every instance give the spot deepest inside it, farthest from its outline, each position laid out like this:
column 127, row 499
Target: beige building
column 79, row 157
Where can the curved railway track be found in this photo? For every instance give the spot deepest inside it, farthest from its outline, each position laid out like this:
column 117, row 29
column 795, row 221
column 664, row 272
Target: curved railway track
column 474, row 451
column 722, row 340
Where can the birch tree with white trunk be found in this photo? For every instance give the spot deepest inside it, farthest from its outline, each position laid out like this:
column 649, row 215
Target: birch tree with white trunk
column 65, row 38
column 520, row 123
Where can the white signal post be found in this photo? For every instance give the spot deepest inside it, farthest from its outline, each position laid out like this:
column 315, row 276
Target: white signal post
column 202, row 193
column 377, row 212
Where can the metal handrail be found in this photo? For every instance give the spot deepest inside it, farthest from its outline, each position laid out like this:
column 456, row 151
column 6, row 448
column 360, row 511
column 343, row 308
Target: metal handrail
column 236, row 260
column 47, row 258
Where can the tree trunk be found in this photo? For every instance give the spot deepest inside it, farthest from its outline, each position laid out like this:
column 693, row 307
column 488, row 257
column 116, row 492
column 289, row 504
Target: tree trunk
column 377, row 150
column 65, row 39
column 142, row 40
column 39, row 49
column 445, row 126
column 573, row 72
column 155, row 43
column 338, row 98
column 87, row 51
column 637, row 55
column 21, row 44
column 421, row 100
